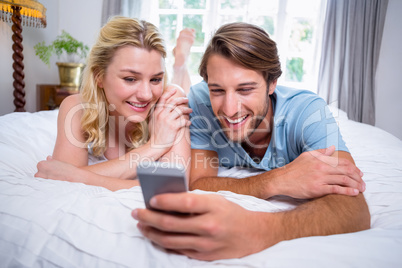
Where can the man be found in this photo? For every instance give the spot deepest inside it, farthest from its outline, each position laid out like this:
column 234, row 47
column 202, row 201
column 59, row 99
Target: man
column 241, row 118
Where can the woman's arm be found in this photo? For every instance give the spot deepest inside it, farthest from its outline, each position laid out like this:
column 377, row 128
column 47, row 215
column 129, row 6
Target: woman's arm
column 70, row 142
column 180, row 152
column 171, row 119
column 169, row 138
column 57, row 170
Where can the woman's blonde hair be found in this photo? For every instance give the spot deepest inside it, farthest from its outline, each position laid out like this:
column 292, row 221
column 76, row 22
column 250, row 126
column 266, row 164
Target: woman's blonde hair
column 117, row 32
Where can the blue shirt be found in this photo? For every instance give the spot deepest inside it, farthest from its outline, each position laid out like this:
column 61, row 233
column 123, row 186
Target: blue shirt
column 302, row 122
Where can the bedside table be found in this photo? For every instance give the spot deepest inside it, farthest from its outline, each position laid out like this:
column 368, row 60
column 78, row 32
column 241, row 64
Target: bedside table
column 49, row 97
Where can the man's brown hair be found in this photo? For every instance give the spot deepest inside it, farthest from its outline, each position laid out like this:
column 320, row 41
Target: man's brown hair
column 247, row 45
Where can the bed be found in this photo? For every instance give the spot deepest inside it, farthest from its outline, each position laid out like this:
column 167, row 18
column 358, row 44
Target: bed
column 46, row 223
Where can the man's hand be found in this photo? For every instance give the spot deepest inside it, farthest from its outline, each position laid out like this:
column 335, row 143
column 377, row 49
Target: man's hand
column 311, row 175
column 214, row 229
column 318, row 173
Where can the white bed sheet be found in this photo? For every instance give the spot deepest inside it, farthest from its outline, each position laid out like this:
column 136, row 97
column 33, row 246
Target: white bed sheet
column 46, row 223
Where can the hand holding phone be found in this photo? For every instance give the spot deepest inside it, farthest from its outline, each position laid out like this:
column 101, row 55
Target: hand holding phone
column 160, row 177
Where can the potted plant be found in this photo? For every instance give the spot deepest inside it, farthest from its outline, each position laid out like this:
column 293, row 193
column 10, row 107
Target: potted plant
column 73, row 51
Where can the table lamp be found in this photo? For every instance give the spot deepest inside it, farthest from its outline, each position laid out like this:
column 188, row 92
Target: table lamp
column 21, row 13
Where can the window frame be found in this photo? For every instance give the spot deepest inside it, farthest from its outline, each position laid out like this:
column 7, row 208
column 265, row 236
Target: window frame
column 282, row 23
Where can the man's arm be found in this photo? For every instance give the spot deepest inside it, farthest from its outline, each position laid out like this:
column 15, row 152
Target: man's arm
column 313, row 174
column 327, row 215
column 220, row 229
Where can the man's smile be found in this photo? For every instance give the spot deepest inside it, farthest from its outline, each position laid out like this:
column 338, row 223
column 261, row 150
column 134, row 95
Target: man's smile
column 237, row 120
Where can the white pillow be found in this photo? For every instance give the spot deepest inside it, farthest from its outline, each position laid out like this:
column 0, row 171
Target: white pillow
column 26, row 139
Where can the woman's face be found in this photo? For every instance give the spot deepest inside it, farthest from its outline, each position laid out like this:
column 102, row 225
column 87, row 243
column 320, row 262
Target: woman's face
column 133, row 82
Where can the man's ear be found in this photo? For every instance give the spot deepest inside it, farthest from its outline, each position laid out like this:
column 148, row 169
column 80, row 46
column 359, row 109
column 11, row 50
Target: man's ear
column 272, row 87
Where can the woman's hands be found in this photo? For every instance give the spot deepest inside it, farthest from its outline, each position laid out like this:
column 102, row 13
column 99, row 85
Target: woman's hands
column 169, row 117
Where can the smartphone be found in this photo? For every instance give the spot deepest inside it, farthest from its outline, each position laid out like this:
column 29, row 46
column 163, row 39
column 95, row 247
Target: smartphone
column 160, row 177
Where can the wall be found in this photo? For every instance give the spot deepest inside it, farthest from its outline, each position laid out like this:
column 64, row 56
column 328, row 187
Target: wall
column 76, row 15
column 72, row 16
column 389, row 73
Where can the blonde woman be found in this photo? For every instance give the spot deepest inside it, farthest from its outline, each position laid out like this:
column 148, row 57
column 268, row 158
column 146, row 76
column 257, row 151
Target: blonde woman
column 124, row 114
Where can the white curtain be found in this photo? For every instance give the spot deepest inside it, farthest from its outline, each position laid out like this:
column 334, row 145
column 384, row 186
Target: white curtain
column 110, row 8
column 351, row 45
column 132, row 8
column 129, row 8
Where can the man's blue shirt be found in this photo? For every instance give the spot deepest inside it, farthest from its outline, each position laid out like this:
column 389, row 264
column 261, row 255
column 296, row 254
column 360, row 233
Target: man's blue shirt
column 302, row 122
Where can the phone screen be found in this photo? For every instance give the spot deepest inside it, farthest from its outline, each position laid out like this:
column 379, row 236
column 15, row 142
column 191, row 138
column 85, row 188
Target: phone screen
column 160, row 177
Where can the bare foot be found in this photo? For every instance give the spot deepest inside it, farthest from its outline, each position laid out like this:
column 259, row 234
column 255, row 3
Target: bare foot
column 183, row 45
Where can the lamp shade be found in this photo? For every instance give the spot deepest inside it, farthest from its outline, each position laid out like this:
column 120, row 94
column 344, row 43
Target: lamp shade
column 32, row 12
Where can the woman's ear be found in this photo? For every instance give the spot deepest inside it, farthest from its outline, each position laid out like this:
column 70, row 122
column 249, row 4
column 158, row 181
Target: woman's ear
column 99, row 82
column 272, row 87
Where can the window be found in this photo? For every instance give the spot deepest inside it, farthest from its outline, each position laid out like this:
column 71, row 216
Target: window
column 293, row 24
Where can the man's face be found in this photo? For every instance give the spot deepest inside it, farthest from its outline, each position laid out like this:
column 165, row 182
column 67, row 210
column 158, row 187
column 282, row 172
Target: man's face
column 239, row 98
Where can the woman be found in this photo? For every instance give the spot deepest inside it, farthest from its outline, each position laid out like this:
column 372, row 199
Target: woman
column 124, row 114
